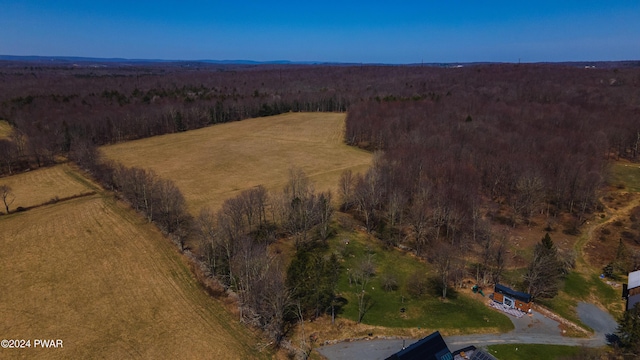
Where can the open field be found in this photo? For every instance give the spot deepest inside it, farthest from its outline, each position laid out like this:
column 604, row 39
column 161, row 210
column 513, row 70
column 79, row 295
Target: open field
column 625, row 174
column 42, row 185
column 91, row 272
column 5, row 129
column 215, row 163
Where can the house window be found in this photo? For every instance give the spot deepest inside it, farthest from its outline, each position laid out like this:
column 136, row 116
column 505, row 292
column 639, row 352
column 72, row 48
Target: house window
column 508, row 302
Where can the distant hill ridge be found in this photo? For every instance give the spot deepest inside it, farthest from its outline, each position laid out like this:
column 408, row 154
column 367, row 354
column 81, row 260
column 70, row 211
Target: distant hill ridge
column 80, row 59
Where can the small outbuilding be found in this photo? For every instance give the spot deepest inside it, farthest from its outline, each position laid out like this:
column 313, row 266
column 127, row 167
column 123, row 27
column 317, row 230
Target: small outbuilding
column 511, row 298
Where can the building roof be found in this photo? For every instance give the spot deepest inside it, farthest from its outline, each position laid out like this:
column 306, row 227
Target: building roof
column 510, row 292
column 634, row 279
column 431, row 347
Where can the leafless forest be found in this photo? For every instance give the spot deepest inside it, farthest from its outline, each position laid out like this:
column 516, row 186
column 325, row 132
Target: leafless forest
column 457, row 146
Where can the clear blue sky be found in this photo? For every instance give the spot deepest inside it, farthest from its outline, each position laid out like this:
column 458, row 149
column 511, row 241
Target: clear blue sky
column 329, row 30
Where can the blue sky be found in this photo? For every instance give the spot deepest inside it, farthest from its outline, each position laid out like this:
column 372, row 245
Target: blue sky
column 343, row 31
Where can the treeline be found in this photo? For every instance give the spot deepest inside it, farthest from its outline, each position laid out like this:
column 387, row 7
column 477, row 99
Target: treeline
column 159, row 200
column 53, row 109
column 233, row 242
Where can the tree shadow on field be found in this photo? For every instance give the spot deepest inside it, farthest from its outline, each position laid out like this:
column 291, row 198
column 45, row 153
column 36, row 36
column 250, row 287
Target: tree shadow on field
column 435, row 289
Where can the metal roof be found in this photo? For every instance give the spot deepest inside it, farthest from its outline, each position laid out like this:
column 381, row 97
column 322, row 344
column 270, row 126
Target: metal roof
column 510, row 292
column 634, row 279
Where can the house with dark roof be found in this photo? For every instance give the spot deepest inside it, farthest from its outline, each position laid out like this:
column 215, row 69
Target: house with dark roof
column 511, row 298
column 632, row 290
column 431, row 347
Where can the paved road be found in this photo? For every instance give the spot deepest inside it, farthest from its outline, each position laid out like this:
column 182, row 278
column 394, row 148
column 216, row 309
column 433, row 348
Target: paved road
column 535, row 329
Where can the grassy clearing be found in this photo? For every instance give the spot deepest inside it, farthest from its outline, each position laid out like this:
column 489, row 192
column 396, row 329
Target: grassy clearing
column 42, row 185
column 532, row 351
column 460, row 313
column 625, row 174
column 89, row 271
column 213, row 164
column 5, row 129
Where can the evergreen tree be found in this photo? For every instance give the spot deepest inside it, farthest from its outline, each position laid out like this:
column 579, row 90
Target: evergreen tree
column 628, row 331
column 312, row 279
column 621, row 262
column 544, row 272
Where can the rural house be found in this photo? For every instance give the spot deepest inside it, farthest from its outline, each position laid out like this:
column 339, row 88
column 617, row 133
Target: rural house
column 433, row 347
column 511, row 298
column 632, row 290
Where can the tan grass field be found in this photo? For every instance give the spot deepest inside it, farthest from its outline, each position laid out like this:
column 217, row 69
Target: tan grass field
column 212, row 164
column 39, row 186
column 90, row 272
column 5, row 129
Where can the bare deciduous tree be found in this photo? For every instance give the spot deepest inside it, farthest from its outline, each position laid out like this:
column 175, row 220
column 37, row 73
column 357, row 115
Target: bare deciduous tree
column 206, row 230
column 7, row 196
column 345, row 189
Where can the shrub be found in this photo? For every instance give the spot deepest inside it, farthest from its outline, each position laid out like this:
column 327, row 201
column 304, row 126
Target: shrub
column 627, row 235
column 417, row 284
column 389, row 281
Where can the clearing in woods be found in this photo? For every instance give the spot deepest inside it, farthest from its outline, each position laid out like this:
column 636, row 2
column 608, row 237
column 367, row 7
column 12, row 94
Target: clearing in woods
column 91, row 272
column 213, row 164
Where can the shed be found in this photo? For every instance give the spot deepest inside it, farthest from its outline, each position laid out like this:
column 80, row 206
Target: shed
column 511, row 298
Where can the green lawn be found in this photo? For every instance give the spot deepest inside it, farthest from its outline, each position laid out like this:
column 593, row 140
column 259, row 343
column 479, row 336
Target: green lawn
column 458, row 313
column 627, row 175
column 533, row 351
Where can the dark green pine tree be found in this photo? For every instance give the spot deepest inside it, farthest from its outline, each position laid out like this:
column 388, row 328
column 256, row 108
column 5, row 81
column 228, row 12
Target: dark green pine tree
column 628, row 331
column 312, row 279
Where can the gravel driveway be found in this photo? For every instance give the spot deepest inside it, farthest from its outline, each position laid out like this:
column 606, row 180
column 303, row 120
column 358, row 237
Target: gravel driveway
column 600, row 321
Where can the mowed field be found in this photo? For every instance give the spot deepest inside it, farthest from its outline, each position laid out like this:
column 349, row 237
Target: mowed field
column 46, row 184
column 215, row 163
column 91, row 272
column 5, row 129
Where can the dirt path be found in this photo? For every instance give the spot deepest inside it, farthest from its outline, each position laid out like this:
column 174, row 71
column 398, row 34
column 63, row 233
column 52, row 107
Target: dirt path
column 611, row 216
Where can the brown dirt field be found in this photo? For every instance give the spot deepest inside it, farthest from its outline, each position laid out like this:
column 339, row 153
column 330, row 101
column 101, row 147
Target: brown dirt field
column 39, row 186
column 215, row 163
column 91, row 272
